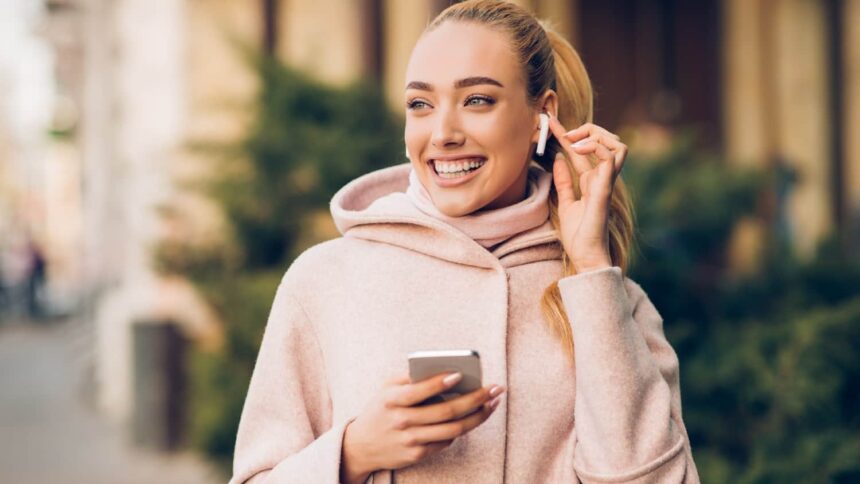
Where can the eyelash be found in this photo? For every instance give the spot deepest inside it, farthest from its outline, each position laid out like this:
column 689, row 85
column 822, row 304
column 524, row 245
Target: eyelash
column 490, row 101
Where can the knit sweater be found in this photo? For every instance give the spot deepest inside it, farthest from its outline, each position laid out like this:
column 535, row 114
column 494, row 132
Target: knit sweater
column 349, row 310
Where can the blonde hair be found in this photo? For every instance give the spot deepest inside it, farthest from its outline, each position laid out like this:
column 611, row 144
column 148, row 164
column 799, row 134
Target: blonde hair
column 550, row 62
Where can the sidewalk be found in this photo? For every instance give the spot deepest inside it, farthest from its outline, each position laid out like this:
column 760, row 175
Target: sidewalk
column 48, row 434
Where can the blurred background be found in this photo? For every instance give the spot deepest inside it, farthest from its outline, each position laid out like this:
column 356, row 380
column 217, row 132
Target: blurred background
column 163, row 161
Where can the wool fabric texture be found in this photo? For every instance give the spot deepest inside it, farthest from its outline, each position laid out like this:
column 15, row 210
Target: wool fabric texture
column 349, row 310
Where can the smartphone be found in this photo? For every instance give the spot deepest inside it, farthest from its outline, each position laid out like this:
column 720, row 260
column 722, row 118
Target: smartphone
column 427, row 363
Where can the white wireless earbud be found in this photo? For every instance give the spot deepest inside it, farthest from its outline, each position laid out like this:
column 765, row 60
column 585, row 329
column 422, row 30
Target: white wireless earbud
column 544, row 131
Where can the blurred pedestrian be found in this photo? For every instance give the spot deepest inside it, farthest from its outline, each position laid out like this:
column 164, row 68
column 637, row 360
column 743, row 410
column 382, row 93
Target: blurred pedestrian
column 35, row 282
column 16, row 265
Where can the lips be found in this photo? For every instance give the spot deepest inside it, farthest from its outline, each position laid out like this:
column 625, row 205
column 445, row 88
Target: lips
column 448, row 179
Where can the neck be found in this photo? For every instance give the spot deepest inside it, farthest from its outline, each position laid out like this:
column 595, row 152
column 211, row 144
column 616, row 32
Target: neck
column 516, row 193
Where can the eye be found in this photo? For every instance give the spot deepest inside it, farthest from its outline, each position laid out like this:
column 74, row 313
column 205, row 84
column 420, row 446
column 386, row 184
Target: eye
column 414, row 104
column 488, row 100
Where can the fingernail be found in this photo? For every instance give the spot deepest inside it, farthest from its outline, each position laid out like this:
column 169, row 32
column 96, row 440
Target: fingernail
column 452, row 379
column 495, row 390
column 495, row 402
column 581, row 142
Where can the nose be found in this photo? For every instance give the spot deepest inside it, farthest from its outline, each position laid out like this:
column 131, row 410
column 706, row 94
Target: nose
column 446, row 132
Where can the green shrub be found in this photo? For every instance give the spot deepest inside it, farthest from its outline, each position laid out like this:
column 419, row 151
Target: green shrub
column 768, row 375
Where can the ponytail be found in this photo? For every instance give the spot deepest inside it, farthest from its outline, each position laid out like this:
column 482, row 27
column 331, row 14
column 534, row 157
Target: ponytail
column 550, row 62
column 576, row 107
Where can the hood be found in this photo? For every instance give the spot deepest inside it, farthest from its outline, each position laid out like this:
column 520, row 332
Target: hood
column 375, row 207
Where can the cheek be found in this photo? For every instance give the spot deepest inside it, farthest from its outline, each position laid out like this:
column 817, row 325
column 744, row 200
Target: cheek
column 416, row 136
column 498, row 134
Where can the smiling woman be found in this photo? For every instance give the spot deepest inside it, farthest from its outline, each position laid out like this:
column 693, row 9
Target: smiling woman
column 478, row 243
column 453, row 116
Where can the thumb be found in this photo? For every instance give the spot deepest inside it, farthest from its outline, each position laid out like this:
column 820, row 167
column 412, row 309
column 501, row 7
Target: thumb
column 563, row 180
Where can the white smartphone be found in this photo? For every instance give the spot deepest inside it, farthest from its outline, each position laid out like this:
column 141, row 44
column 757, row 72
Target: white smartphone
column 427, row 363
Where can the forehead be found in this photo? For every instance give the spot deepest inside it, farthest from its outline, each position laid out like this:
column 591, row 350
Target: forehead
column 456, row 50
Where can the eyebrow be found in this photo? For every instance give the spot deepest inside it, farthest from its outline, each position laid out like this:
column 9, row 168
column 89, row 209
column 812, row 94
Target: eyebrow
column 459, row 84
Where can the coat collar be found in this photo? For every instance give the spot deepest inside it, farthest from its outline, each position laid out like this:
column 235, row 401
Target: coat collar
column 375, row 207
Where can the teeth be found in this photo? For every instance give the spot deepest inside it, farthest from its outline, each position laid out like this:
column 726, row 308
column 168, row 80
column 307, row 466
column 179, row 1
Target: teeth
column 444, row 167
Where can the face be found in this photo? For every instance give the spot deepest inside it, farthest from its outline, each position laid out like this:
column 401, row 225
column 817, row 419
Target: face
column 470, row 131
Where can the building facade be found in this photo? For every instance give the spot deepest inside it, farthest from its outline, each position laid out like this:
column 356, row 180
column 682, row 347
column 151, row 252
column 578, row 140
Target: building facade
column 768, row 82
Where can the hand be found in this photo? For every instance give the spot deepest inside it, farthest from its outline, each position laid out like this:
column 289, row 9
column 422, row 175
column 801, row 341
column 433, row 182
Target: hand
column 584, row 221
column 392, row 433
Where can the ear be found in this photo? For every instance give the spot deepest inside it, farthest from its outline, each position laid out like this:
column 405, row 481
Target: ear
column 548, row 103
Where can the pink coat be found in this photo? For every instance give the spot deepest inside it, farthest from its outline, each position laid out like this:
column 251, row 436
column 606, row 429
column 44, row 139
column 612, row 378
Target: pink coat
column 349, row 310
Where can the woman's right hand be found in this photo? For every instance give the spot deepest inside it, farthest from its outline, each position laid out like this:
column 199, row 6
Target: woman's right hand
column 392, row 433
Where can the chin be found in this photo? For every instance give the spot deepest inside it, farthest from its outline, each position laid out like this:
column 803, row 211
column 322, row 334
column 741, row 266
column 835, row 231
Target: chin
column 455, row 209
column 458, row 213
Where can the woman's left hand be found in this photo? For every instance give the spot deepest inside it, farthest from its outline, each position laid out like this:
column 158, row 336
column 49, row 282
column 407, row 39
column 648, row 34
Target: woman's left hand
column 584, row 221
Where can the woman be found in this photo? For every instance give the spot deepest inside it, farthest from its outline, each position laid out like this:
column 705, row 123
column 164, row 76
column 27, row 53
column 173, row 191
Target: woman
column 472, row 245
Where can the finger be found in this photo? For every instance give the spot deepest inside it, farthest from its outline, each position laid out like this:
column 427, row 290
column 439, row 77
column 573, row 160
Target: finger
column 493, row 403
column 426, row 450
column 620, row 156
column 410, row 394
column 586, row 151
column 584, row 131
column 613, row 143
column 564, row 137
column 606, row 173
column 563, row 180
column 399, row 379
column 597, row 207
column 451, row 429
column 611, row 140
column 595, row 139
column 580, row 161
column 453, row 409
column 608, row 139
column 611, row 159
column 581, row 165
column 603, row 153
column 591, row 129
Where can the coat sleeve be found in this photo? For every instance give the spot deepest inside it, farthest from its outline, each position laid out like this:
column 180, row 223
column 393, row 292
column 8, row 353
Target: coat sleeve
column 286, row 433
column 628, row 403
